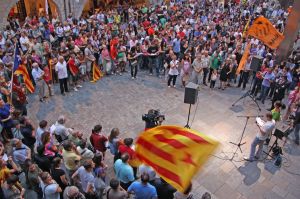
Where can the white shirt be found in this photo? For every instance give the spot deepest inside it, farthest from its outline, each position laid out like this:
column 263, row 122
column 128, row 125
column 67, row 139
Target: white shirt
column 59, row 31
column 174, row 68
column 267, row 128
column 37, row 73
column 61, row 69
column 23, row 41
column 2, row 43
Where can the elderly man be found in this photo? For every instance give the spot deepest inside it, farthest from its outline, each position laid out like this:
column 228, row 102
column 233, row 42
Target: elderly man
column 197, row 69
column 21, row 152
column 38, row 76
column 72, row 192
column 61, row 132
column 62, row 72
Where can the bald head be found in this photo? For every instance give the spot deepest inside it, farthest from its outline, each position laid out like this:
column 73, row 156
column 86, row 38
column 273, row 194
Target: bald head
column 61, row 59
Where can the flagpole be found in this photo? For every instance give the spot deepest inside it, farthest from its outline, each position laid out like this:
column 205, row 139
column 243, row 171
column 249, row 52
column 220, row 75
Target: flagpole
column 12, row 76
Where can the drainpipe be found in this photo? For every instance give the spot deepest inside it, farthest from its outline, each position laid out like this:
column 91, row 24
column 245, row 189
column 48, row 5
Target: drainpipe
column 70, row 8
column 65, row 9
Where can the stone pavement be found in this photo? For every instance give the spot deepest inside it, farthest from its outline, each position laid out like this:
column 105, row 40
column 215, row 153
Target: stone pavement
column 118, row 101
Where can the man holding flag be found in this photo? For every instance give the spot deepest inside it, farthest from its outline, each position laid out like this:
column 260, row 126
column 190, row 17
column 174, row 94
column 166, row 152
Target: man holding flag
column 20, row 69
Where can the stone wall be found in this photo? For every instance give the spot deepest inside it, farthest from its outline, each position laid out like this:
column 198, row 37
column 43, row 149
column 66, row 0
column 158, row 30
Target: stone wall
column 73, row 6
column 5, row 6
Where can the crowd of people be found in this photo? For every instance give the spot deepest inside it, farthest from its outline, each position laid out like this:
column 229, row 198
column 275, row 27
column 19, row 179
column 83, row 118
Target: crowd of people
column 198, row 41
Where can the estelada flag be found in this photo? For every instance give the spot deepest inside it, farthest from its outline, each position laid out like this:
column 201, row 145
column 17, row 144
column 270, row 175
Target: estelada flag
column 22, row 70
column 244, row 58
column 175, row 153
column 97, row 74
column 264, row 30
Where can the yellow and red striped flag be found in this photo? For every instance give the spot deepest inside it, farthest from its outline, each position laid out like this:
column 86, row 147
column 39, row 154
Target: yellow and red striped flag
column 22, row 70
column 175, row 153
column 97, row 74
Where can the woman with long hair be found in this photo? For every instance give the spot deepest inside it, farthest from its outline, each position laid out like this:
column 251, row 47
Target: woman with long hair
column 50, row 150
column 185, row 70
column 132, row 57
column 113, row 142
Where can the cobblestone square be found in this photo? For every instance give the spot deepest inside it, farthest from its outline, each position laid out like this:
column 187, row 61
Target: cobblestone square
column 118, row 101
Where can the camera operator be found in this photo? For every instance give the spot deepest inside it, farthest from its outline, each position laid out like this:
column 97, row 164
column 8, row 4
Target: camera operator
column 153, row 119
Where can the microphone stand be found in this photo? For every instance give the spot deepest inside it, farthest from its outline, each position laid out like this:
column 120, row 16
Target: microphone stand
column 239, row 144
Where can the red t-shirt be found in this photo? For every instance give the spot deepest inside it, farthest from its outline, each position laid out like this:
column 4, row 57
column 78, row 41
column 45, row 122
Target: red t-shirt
column 125, row 149
column 113, row 52
column 98, row 141
column 72, row 67
column 47, row 75
column 181, row 34
column 151, row 31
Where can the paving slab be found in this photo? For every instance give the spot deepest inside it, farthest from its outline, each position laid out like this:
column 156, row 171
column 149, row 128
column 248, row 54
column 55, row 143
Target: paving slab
column 118, row 101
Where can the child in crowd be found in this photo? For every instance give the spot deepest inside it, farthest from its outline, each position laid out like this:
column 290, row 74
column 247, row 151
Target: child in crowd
column 214, row 77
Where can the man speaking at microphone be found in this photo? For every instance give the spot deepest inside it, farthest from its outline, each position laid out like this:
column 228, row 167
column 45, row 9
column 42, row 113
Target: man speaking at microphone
column 265, row 130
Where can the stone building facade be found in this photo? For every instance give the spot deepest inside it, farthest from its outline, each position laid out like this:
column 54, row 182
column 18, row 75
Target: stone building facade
column 63, row 7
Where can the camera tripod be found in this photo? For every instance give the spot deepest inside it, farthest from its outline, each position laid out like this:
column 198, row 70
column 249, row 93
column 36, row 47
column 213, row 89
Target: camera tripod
column 248, row 94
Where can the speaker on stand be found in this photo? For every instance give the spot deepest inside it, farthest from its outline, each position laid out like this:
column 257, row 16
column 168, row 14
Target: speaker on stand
column 190, row 97
column 256, row 63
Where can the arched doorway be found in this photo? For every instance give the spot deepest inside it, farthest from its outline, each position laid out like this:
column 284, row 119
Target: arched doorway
column 23, row 8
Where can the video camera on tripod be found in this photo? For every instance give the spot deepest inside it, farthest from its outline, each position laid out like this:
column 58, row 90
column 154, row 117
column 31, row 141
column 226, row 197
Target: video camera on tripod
column 153, row 118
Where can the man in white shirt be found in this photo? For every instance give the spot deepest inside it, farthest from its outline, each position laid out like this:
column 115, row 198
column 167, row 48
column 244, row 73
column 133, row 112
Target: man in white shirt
column 40, row 83
column 61, row 69
column 60, row 130
column 265, row 130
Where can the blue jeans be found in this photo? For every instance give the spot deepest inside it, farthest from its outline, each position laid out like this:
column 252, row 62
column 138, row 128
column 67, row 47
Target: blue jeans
column 264, row 93
column 153, row 63
column 260, row 144
column 296, row 132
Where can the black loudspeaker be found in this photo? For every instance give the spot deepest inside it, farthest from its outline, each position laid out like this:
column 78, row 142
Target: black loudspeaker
column 191, row 93
column 256, row 63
